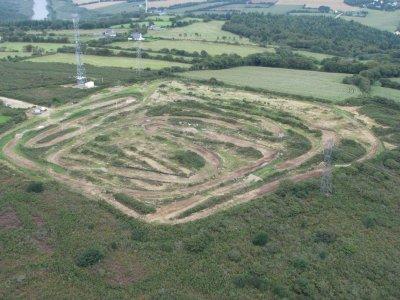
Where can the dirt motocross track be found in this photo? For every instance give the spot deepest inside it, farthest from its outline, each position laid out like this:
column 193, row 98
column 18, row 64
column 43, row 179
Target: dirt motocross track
column 186, row 151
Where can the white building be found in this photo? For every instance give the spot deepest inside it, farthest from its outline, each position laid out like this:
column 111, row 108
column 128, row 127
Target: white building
column 136, row 36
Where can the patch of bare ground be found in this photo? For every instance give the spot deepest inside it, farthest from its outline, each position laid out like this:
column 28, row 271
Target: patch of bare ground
column 41, row 236
column 121, row 269
column 9, row 219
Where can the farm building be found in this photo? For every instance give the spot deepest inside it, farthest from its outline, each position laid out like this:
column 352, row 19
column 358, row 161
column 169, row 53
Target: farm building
column 136, row 36
column 109, row 33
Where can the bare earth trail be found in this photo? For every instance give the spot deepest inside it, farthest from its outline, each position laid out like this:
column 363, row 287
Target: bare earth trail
column 153, row 178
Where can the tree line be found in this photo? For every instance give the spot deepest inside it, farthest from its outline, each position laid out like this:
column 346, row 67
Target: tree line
column 317, row 34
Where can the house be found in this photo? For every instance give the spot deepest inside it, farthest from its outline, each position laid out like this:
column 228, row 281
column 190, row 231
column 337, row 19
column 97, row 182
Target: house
column 136, row 36
column 109, row 33
column 397, row 32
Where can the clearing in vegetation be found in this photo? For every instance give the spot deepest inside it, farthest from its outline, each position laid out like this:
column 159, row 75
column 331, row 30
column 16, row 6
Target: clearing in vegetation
column 182, row 151
column 109, row 61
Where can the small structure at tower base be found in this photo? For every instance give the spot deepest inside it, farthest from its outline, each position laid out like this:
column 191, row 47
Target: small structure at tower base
column 89, row 85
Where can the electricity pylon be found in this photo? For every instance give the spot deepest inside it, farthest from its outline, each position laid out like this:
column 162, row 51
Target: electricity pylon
column 80, row 68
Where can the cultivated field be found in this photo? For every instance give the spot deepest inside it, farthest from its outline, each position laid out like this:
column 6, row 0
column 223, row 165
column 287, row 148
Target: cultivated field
column 386, row 93
column 106, row 61
column 209, row 31
column 173, row 152
column 19, row 46
column 98, row 5
column 333, row 4
column 315, row 84
column 168, row 3
column 192, row 46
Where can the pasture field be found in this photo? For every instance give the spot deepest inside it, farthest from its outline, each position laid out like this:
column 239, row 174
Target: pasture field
column 19, row 46
column 106, row 61
column 99, row 5
column 395, row 79
column 85, row 34
column 208, row 31
column 318, row 56
column 118, row 8
column 192, row 46
column 386, row 93
column 315, row 84
column 333, row 4
column 383, row 20
column 274, row 9
column 168, row 3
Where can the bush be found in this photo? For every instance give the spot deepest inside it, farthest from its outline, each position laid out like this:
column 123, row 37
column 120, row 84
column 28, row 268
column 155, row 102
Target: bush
column 189, row 159
column 89, row 258
column 197, row 243
column 325, row 237
column 260, row 239
column 35, row 187
column 138, row 206
column 300, row 263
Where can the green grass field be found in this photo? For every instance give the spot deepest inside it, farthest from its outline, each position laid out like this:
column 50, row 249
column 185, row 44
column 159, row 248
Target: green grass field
column 209, row 31
column 275, row 9
column 4, row 119
column 105, row 61
column 395, row 79
column 191, row 46
column 19, row 46
column 320, row 85
column 386, row 93
column 318, row 56
column 383, row 20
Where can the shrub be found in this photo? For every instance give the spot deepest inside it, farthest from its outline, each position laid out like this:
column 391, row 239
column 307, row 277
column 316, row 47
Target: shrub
column 189, row 159
column 260, row 239
column 325, row 237
column 370, row 221
column 35, row 187
column 138, row 206
column 234, row 255
column 300, row 263
column 89, row 258
column 197, row 243
column 102, row 138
